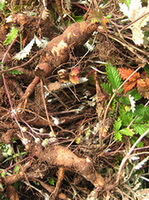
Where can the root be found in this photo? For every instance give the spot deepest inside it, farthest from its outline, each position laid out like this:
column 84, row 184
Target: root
column 57, row 51
column 62, row 157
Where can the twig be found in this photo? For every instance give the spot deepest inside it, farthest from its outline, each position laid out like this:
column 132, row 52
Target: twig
column 133, row 21
column 45, row 106
column 24, row 64
column 31, row 156
column 128, row 154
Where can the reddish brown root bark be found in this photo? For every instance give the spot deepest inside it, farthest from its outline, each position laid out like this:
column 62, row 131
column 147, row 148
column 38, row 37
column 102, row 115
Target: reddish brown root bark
column 57, row 51
column 62, row 157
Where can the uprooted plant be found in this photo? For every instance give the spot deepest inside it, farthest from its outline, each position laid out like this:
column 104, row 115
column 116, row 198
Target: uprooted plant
column 54, row 54
column 58, row 109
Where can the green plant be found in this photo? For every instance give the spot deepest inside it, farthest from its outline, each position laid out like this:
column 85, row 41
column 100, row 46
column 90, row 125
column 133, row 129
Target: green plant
column 8, row 152
column 131, row 119
column 11, row 36
column 2, row 5
column 13, row 71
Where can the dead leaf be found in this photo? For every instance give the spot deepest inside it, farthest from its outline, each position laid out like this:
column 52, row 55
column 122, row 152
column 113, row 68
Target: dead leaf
column 126, row 72
column 128, row 86
column 19, row 18
column 143, row 85
column 54, row 86
column 12, row 193
column 63, row 76
column 135, row 11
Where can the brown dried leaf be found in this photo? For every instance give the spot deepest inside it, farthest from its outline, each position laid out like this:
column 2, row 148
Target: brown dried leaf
column 141, row 83
column 128, row 86
column 143, row 92
column 143, row 86
column 125, row 73
column 12, row 193
column 19, row 18
column 54, row 86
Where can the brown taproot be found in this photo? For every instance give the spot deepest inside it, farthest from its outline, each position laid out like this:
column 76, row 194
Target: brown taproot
column 56, row 155
column 57, row 51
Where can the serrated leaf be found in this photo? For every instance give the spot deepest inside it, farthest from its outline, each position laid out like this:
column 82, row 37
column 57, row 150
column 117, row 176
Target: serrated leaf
column 113, row 76
column 118, row 136
column 15, row 71
column 11, row 36
column 141, row 110
column 126, row 72
column 125, row 100
column 117, row 124
column 136, row 11
column 128, row 86
column 127, row 119
column 135, row 94
column 25, row 52
column 140, row 128
column 134, row 139
column 107, row 87
column 127, row 131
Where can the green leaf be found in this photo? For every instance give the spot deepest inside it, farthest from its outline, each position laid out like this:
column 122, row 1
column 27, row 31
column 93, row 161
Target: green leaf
column 124, row 100
column 3, row 174
column 78, row 18
column 2, row 5
column 16, row 169
column 107, row 87
column 140, row 128
column 118, row 136
column 11, row 36
column 134, row 139
column 142, row 112
column 51, row 181
column 15, row 71
column 135, row 94
column 117, row 124
column 126, row 116
column 108, row 16
column 127, row 2
column 146, row 68
column 113, row 76
column 127, row 131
